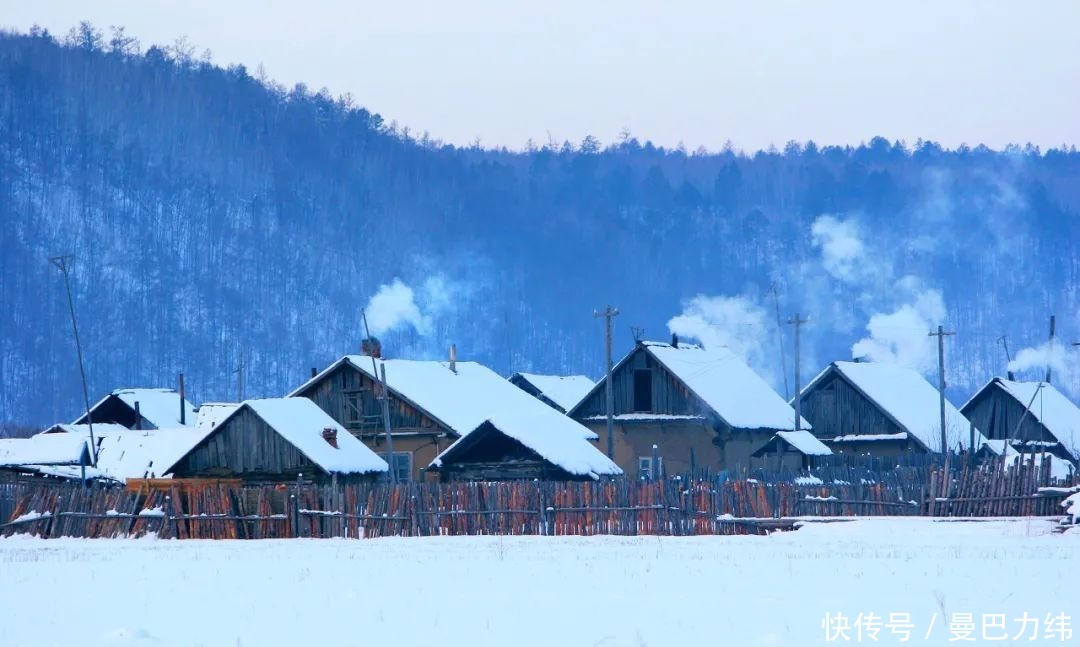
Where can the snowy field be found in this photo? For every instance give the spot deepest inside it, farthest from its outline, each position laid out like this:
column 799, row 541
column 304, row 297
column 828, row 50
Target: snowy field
column 511, row 591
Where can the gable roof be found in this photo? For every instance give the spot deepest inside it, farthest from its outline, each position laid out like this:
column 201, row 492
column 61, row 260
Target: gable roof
column 45, row 449
column 137, row 453
column 462, row 399
column 734, row 392
column 1059, row 415
column 101, row 429
column 801, row 441
column 565, row 449
column 159, row 407
column 301, row 422
column 210, row 414
column 564, row 390
column 906, row 398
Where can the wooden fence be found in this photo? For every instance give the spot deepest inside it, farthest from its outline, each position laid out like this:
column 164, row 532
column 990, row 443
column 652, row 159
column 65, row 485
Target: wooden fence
column 676, row 506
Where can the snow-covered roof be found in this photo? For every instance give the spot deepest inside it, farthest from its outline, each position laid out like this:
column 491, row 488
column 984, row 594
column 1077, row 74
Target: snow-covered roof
column 805, row 442
column 461, row 399
column 210, row 414
column 138, row 453
column 905, row 396
column 562, row 446
column 1056, row 412
column 738, row 395
column 158, row 407
column 301, row 422
column 101, row 429
column 47, row 449
column 865, row 438
column 564, row 390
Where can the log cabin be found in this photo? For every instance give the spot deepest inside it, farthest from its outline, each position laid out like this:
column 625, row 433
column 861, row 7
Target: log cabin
column 142, row 409
column 1032, row 416
column 275, row 440
column 509, row 447
column 882, row 410
column 702, row 408
column 432, row 404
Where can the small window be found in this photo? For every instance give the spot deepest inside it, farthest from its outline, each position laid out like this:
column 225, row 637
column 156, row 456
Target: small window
column 401, row 464
column 645, row 467
column 643, row 390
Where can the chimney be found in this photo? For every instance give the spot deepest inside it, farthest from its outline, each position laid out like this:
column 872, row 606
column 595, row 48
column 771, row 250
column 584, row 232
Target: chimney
column 674, row 340
column 371, row 347
column 453, row 357
column 183, row 413
column 314, row 371
column 329, row 434
column 138, row 416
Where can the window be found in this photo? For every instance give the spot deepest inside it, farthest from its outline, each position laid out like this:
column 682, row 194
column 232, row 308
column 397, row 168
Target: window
column 353, row 402
column 642, row 390
column 401, row 464
column 645, row 467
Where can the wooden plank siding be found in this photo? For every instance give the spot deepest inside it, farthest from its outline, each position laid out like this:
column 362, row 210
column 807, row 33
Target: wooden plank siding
column 996, row 414
column 246, row 447
column 669, row 395
column 836, row 408
column 414, row 432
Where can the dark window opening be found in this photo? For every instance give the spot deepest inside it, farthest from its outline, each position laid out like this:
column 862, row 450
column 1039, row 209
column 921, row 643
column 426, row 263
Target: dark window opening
column 643, row 390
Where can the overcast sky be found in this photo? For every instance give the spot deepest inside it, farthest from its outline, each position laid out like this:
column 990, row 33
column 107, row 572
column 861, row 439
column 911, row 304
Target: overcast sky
column 700, row 72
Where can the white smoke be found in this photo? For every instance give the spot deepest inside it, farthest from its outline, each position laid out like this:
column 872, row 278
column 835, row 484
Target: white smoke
column 392, row 307
column 902, row 335
column 841, row 248
column 734, row 323
column 1063, row 362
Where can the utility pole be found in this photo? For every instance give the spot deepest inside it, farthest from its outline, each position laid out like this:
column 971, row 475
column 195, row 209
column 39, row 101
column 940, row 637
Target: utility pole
column 780, row 336
column 240, row 378
column 798, row 322
column 941, row 335
column 1050, row 349
column 61, row 263
column 608, row 313
column 380, row 380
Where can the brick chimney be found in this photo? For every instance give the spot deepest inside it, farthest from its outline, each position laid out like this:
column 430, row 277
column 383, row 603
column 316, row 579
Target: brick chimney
column 372, row 347
column 329, row 434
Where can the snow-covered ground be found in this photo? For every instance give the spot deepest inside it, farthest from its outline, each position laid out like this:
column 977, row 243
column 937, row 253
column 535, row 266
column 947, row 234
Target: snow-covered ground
column 549, row 591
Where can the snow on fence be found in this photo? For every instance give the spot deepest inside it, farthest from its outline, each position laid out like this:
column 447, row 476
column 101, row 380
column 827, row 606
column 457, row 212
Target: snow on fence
column 213, row 510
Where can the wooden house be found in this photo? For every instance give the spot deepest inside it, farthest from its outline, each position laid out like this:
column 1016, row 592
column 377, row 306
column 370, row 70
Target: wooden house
column 505, row 450
column 432, row 404
column 561, row 392
column 276, row 440
column 56, row 454
column 791, row 450
column 142, row 409
column 702, row 408
column 884, row 410
column 1032, row 416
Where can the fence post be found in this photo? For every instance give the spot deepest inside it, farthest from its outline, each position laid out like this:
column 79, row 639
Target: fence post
column 170, row 517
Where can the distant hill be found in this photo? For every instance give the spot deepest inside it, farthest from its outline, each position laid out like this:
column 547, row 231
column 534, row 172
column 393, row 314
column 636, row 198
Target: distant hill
column 212, row 213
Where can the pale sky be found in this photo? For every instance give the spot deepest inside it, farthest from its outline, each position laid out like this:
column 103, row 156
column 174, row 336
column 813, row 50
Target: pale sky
column 699, row 72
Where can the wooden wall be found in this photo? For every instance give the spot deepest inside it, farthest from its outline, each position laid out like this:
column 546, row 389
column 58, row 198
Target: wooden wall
column 835, row 408
column 669, row 395
column 996, row 414
column 413, row 431
column 245, row 447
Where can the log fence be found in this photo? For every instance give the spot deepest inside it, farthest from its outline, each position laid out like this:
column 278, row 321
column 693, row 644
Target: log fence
column 677, row 506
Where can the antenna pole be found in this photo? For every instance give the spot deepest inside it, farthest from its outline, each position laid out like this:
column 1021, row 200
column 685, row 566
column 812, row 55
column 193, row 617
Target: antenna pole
column 61, row 263
column 384, row 396
column 608, row 313
column 780, row 336
column 941, row 335
column 798, row 322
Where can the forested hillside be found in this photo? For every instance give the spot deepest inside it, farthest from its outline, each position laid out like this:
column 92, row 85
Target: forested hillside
column 211, row 213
